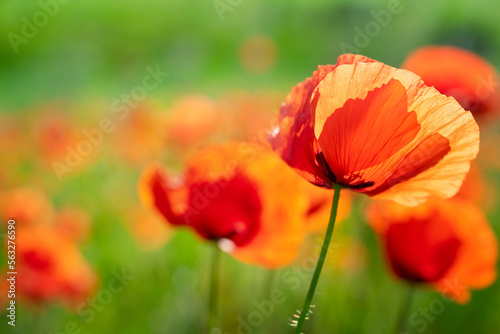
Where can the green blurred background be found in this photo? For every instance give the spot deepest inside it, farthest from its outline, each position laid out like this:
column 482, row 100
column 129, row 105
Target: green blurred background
column 97, row 50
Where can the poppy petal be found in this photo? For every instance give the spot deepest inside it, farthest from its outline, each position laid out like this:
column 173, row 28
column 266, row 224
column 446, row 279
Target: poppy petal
column 155, row 192
column 282, row 230
column 294, row 141
column 435, row 113
column 459, row 73
column 363, row 133
column 448, row 244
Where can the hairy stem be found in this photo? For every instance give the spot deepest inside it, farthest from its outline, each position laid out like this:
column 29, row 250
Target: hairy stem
column 321, row 260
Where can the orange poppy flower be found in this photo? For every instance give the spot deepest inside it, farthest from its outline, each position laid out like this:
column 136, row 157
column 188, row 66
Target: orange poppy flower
column 459, row 73
column 246, row 199
column 139, row 136
column 447, row 244
column 191, row 120
column 28, row 206
column 50, row 267
column 377, row 130
column 320, row 205
column 52, row 132
column 147, row 228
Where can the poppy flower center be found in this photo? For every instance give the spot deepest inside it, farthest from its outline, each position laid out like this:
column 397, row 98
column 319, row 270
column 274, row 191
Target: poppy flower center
column 225, row 209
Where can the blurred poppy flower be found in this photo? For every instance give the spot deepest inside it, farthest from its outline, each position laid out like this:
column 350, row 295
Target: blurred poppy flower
column 139, row 136
column 459, row 73
column 247, row 200
column 50, row 267
column 27, row 205
column 377, row 130
column 191, row 120
column 48, row 262
column 446, row 244
column 52, row 132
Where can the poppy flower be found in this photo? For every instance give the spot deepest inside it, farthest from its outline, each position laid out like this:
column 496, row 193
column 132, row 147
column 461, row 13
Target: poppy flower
column 28, row 206
column 446, row 244
column 49, row 264
column 138, row 139
column 246, row 199
column 191, row 119
column 459, row 73
column 377, row 130
column 52, row 132
column 50, row 267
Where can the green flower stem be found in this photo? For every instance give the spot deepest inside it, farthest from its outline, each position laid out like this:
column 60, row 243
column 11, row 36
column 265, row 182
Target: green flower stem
column 213, row 315
column 402, row 320
column 321, row 260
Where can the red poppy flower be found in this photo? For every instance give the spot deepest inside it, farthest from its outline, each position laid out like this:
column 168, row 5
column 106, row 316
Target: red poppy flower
column 73, row 223
column 447, row 244
column 459, row 73
column 377, row 130
column 49, row 264
column 29, row 206
column 320, row 205
column 50, row 267
column 234, row 193
column 191, row 120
